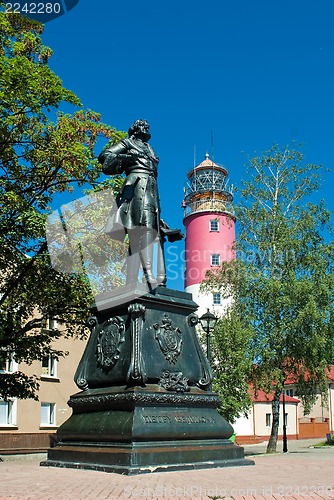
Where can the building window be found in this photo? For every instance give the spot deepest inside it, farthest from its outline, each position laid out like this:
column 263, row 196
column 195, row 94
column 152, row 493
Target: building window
column 7, row 412
column 48, row 414
column 215, row 259
column 214, row 225
column 289, row 392
column 49, row 366
column 51, row 324
column 7, row 363
column 217, row 299
column 268, row 419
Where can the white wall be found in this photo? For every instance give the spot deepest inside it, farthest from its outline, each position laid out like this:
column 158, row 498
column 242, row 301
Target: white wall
column 331, row 406
column 244, row 426
column 205, row 301
column 260, row 411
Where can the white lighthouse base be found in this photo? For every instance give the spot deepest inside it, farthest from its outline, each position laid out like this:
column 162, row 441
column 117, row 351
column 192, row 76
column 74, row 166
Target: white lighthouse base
column 205, row 301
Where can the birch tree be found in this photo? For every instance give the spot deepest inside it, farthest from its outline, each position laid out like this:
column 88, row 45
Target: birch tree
column 282, row 280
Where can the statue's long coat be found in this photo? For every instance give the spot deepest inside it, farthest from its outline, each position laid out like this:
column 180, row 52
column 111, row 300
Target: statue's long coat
column 138, row 202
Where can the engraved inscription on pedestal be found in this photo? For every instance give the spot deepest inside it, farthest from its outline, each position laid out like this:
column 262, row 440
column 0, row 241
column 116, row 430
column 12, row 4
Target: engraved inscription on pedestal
column 157, row 419
column 194, row 419
column 179, row 419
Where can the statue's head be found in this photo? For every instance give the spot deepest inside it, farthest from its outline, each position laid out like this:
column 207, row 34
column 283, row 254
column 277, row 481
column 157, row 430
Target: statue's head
column 140, row 129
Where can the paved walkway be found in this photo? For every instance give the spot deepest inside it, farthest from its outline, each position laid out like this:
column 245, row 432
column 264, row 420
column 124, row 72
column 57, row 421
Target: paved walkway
column 302, row 473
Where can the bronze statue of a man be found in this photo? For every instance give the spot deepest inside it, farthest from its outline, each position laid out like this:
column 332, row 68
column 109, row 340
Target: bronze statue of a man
column 137, row 211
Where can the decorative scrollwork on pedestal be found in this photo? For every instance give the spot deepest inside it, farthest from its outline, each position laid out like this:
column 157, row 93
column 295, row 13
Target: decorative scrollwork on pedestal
column 92, row 322
column 109, row 341
column 192, row 320
column 206, row 378
column 174, row 381
column 81, row 376
column 169, row 338
column 82, row 384
column 136, row 373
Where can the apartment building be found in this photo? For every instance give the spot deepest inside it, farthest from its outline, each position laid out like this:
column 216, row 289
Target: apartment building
column 28, row 425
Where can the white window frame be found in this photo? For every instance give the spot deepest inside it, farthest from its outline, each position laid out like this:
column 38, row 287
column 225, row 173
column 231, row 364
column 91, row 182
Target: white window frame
column 10, row 413
column 11, row 366
column 215, row 257
column 51, row 324
column 217, row 299
column 50, row 368
column 212, row 223
column 50, row 421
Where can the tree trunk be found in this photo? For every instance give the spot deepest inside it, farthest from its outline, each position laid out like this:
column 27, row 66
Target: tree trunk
column 272, row 444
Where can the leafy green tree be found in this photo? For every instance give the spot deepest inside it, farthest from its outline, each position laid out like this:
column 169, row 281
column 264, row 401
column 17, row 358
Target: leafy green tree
column 230, row 345
column 282, row 280
column 43, row 153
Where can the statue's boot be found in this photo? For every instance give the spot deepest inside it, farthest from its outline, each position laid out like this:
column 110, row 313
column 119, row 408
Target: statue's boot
column 146, row 253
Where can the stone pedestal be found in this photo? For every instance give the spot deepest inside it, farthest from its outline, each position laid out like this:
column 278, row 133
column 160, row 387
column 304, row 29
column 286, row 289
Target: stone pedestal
column 145, row 403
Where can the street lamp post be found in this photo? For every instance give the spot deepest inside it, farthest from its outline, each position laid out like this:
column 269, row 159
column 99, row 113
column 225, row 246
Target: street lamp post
column 285, row 440
column 208, row 322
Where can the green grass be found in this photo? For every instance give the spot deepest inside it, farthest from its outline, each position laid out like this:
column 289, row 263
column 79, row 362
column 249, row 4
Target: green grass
column 326, row 443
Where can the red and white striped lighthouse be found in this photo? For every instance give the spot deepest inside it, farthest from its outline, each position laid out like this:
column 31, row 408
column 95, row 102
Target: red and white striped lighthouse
column 210, row 229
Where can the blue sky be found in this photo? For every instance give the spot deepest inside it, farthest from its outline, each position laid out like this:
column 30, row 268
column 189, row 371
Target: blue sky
column 250, row 74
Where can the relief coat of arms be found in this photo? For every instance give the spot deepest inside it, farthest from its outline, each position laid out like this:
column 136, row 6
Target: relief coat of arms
column 109, row 341
column 169, row 338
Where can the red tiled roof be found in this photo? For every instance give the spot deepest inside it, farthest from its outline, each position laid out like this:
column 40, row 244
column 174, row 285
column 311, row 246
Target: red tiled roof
column 262, row 397
column 290, row 380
